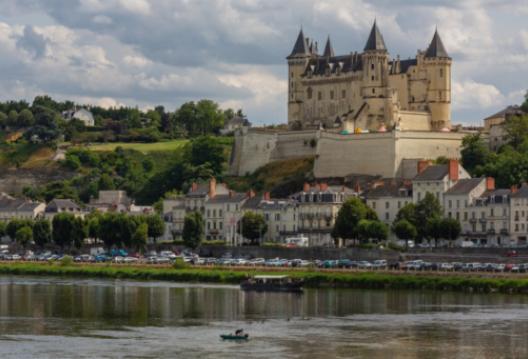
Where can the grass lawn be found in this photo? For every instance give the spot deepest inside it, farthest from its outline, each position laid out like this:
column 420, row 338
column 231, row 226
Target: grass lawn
column 141, row 147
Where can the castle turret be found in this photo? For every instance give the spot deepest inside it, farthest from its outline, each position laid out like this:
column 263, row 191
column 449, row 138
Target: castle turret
column 328, row 50
column 438, row 66
column 375, row 64
column 297, row 62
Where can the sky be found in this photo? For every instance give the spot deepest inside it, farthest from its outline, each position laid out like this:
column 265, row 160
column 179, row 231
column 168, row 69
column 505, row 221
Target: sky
column 148, row 52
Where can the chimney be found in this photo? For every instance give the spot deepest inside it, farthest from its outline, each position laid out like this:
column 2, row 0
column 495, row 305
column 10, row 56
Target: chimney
column 357, row 187
column 212, row 187
column 250, row 193
column 267, row 196
column 422, row 165
column 513, row 189
column 453, row 170
column 490, row 183
column 324, row 186
column 306, row 187
column 194, row 187
column 230, row 194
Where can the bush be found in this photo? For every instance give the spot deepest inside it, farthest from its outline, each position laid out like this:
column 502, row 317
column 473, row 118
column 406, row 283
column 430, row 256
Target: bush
column 179, row 263
column 214, row 243
column 66, row 261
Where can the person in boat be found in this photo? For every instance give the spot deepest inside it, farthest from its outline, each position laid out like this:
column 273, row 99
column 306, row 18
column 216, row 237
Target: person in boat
column 239, row 332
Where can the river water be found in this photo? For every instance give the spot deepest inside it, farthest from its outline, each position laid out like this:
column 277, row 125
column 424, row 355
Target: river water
column 92, row 318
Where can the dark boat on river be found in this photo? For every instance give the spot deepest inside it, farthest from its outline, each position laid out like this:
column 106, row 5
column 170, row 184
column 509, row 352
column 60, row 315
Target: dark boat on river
column 272, row 283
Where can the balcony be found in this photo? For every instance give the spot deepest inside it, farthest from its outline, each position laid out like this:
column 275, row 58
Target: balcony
column 482, row 220
column 504, row 231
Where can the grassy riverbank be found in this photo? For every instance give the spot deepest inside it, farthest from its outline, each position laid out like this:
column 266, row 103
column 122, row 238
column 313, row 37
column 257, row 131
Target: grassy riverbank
column 314, row 278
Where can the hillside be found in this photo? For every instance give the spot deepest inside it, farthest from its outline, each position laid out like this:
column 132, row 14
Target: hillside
column 281, row 178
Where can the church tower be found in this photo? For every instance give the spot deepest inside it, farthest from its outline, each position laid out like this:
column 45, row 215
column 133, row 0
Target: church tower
column 438, row 67
column 297, row 62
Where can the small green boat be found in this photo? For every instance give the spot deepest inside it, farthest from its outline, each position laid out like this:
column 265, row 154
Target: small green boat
column 234, row 337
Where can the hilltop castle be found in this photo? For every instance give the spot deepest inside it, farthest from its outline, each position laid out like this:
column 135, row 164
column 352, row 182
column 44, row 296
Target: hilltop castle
column 368, row 91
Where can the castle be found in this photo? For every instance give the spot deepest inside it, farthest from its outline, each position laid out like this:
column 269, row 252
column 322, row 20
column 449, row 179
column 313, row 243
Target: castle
column 359, row 113
column 368, row 91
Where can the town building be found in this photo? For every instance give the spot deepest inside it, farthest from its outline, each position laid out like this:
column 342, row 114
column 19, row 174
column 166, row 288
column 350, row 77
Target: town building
column 387, row 197
column 436, row 179
column 81, row 114
column 494, row 126
column 235, row 124
column 16, row 208
column 57, row 206
column 317, row 211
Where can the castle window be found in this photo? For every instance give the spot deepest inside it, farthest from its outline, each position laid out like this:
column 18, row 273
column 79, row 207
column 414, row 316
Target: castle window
column 372, row 66
column 331, row 95
column 373, row 78
column 373, row 90
column 343, row 93
column 319, row 95
column 441, row 72
column 309, row 93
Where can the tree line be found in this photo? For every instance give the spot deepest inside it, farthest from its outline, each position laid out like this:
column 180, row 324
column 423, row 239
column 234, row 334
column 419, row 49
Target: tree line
column 68, row 231
column 43, row 121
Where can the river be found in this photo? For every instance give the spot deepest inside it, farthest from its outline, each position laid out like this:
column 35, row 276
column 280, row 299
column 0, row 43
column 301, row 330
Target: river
column 96, row 318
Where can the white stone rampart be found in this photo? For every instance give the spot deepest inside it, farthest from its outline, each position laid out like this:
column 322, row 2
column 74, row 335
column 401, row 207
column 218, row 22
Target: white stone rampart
column 390, row 154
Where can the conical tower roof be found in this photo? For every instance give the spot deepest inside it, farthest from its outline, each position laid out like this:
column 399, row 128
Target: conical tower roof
column 436, row 47
column 375, row 40
column 301, row 46
column 328, row 50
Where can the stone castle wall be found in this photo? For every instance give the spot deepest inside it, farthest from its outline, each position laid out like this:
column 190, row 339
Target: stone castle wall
column 390, row 154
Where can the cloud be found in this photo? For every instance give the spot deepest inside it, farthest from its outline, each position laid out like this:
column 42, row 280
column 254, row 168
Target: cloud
column 140, row 52
column 32, row 42
column 469, row 94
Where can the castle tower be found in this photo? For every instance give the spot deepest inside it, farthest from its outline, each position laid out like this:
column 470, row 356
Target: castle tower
column 438, row 67
column 375, row 60
column 297, row 62
column 328, row 50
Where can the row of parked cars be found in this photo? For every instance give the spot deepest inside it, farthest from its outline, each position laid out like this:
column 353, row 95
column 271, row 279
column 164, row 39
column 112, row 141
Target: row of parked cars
column 168, row 257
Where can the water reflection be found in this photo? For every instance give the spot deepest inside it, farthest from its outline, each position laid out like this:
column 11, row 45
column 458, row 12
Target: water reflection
column 102, row 315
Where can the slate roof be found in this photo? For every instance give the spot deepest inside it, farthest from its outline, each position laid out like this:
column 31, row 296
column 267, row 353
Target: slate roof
column 506, row 112
column 11, row 204
column 226, row 198
column 328, row 50
column 389, row 190
column 57, row 203
column 301, row 46
column 375, row 40
column 252, row 203
column 464, row 186
column 334, row 64
column 436, row 47
column 432, row 173
column 521, row 192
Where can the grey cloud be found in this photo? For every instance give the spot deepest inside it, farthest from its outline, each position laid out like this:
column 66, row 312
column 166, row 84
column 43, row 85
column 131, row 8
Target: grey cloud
column 32, row 42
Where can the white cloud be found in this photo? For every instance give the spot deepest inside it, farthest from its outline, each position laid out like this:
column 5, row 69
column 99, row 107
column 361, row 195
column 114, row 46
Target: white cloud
column 141, row 7
column 136, row 61
column 524, row 38
column 470, row 94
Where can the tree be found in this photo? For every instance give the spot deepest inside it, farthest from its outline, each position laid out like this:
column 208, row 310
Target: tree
column 24, row 236
column 41, row 232
column 206, row 150
column 516, row 129
column 156, row 226
column 139, row 239
column 434, row 228
column 429, row 207
column 25, row 118
column 12, row 118
column 3, row 226
column 408, row 213
column 14, row 225
column 450, row 229
column 524, row 105
column 372, row 229
column 474, row 152
column 68, row 230
column 193, row 229
column 253, row 227
column 348, row 217
column 404, row 230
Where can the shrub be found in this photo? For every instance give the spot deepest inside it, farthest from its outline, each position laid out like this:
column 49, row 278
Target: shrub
column 179, row 263
column 66, row 261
